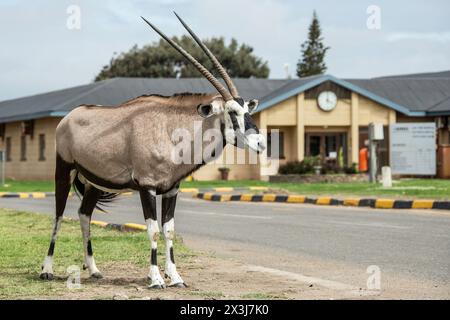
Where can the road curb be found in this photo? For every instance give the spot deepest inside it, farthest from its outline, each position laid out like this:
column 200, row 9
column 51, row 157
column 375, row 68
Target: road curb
column 119, row 227
column 328, row 201
column 39, row 195
column 222, row 189
column 42, row 195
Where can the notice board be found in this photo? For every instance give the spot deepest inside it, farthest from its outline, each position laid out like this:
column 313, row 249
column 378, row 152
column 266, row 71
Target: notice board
column 413, row 148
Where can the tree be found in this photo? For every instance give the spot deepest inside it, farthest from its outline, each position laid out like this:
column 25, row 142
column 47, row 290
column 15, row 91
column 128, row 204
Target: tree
column 161, row 60
column 313, row 52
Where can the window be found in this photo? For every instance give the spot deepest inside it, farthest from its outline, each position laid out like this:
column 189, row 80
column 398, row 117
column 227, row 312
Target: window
column 8, row 149
column 2, row 131
column 23, row 148
column 42, row 147
column 275, row 137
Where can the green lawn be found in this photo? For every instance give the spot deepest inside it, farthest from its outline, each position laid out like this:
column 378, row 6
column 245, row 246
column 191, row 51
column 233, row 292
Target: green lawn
column 27, row 186
column 406, row 188
column 24, row 240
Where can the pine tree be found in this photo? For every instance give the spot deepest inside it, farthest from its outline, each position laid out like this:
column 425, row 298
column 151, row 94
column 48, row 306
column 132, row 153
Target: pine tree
column 313, row 52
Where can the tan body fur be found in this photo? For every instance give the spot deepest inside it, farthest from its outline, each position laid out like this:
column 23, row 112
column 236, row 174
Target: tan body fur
column 132, row 141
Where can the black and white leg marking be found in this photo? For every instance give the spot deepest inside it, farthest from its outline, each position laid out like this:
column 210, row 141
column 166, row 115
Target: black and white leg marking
column 169, row 200
column 62, row 188
column 85, row 213
column 148, row 200
column 47, row 266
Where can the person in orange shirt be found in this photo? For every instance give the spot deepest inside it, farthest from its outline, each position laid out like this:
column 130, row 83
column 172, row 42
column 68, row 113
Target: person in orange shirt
column 363, row 159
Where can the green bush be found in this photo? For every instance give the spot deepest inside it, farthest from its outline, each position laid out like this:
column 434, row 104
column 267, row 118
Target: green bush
column 300, row 167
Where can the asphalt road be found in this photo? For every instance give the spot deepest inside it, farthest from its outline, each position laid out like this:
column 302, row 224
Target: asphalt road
column 410, row 247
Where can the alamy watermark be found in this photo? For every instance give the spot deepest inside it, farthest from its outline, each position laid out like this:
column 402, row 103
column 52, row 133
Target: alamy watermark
column 373, row 21
column 73, row 21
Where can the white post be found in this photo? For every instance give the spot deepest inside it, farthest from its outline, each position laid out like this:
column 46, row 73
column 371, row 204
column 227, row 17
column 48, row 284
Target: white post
column 387, row 176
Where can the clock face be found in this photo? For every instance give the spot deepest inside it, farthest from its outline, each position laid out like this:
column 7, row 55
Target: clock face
column 327, row 100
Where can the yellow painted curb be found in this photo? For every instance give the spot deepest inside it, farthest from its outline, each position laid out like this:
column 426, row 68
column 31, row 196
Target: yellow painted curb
column 225, row 197
column 384, row 203
column 99, row 223
column 422, row 204
column 296, row 199
column 23, row 195
column 258, row 188
column 193, row 190
column 246, row 197
column 135, row 226
column 224, row 189
column 351, row 202
column 207, row 196
column 2, row 194
column 323, row 201
column 38, row 195
column 269, row 197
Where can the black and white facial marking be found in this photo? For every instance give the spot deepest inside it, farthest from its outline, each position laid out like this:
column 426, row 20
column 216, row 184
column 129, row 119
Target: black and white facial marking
column 239, row 127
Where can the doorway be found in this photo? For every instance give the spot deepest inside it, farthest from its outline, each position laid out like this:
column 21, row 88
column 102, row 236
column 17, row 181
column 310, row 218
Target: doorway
column 330, row 147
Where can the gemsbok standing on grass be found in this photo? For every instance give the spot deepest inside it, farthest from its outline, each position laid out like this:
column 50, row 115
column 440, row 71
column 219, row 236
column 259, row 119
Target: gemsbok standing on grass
column 104, row 151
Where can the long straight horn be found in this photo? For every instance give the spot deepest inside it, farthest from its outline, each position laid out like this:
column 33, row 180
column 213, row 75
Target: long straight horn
column 220, row 68
column 216, row 83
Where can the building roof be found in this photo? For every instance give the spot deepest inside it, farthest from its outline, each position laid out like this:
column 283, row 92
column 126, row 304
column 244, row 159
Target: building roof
column 115, row 91
column 413, row 95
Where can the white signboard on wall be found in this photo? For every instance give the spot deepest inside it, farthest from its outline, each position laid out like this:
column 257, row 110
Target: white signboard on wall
column 413, row 148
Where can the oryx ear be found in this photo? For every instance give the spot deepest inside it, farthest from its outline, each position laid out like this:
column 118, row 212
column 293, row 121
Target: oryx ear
column 205, row 110
column 252, row 105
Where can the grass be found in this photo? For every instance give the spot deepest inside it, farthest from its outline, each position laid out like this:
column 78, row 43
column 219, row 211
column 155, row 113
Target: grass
column 406, row 188
column 27, row 186
column 24, row 240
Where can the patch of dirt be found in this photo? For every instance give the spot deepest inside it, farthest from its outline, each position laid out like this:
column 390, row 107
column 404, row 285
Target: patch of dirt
column 208, row 277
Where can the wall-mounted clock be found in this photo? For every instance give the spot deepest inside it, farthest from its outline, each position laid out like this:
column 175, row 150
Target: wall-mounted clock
column 327, row 100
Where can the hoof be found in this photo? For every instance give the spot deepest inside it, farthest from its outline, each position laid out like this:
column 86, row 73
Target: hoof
column 179, row 285
column 156, row 286
column 46, row 276
column 84, row 267
column 97, row 275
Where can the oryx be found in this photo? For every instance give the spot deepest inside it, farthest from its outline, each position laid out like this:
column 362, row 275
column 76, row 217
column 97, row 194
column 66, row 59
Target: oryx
column 103, row 151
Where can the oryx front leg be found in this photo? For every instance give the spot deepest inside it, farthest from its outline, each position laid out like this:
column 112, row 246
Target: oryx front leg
column 148, row 201
column 167, row 214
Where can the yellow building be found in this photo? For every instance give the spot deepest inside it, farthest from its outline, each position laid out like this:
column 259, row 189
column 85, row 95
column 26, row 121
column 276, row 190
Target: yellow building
column 320, row 115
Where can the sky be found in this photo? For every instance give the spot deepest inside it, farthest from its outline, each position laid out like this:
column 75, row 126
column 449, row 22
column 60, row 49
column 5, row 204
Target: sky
column 47, row 45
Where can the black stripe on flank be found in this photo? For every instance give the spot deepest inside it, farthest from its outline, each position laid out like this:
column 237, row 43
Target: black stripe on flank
column 444, row 205
column 310, row 200
column 257, row 198
column 216, row 197
column 402, row 204
column 153, row 260
column 235, row 197
column 366, row 203
column 89, row 248
column 281, row 198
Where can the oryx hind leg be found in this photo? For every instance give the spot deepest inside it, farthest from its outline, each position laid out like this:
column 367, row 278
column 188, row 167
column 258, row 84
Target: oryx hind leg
column 88, row 203
column 62, row 189
column 148, row 200
column 169, row 200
